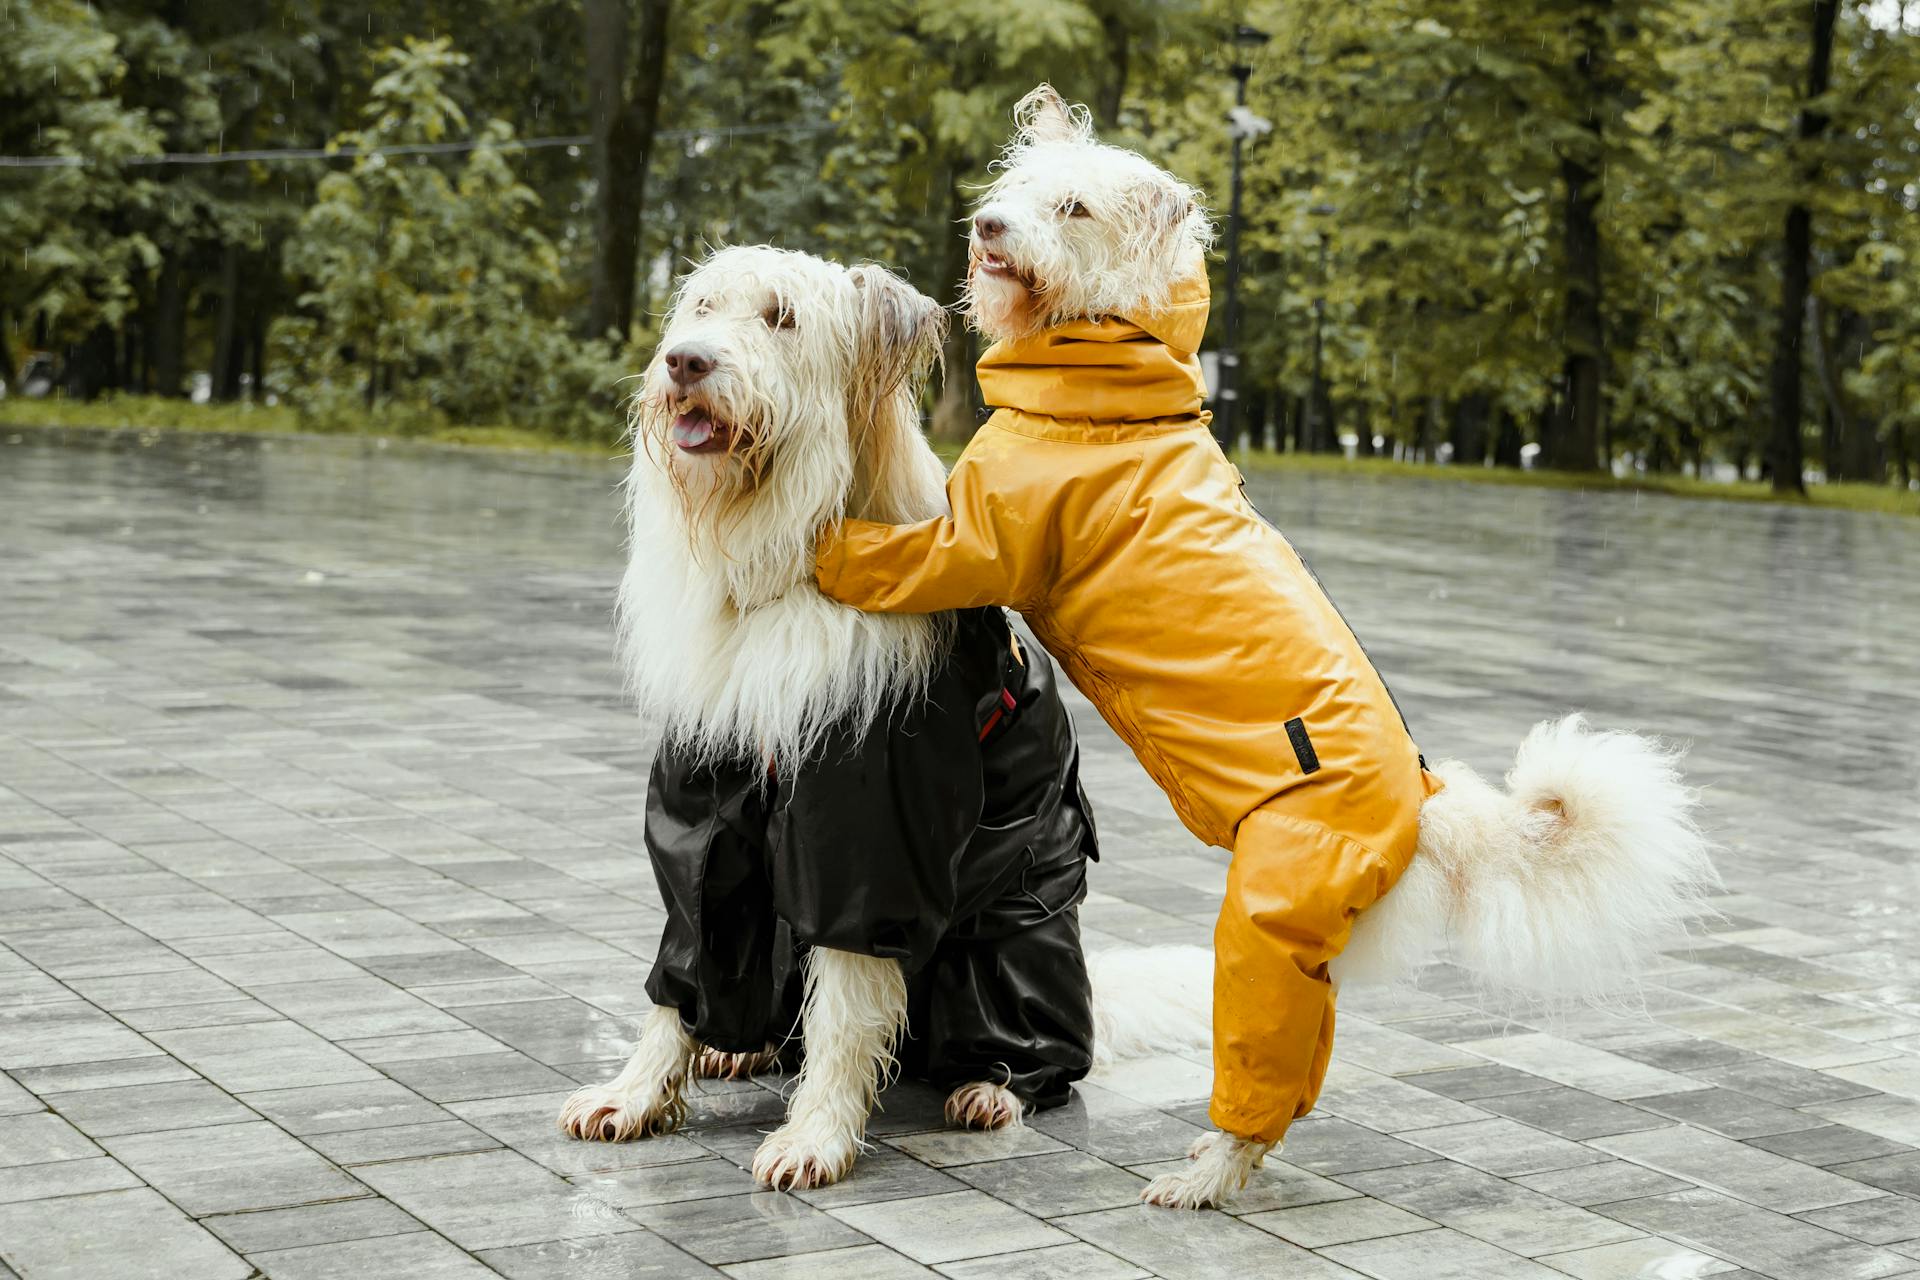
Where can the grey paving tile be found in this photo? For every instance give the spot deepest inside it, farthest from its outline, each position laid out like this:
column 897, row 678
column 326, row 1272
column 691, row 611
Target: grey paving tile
column 951, row 1226
column 153, row 1068
column 749, row 1228
column 347, row 1008
column 1466, row 1084
column 491, row 1199
column 84, row 1237
column 327, row 1223
column 1729, row 1113
column 1315, row 1226
column 1766, row 1242
column 1504, row 1147
column 64, row 1178
column 401, row 1142
column 863, row 1260
column 1649, row 1256
column 1197, row 1246
column 337, row 1108
column 1759, row 1177
column 1830, row 1144
column 1049, row 1186
column 703, row 1179
column 1885, row 1220
column 1435, row 1255
column 1326, row 1145
column 1573, row 1113
column 1061, row 1262
column 419, row 1256
column 880, row 1174
column 62, row 1032
column 263, row 1055
column 39, row 1138
column 1780, row 1083
column 229, row 1167
column 1487, row 1208
column 1897, row 1173
column 1603, row 1183
column 476, row 1075
column 631, row 1255
column 944, row 1147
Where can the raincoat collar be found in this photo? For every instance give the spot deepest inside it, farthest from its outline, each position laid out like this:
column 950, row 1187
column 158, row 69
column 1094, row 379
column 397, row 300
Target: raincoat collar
column 1116, row 370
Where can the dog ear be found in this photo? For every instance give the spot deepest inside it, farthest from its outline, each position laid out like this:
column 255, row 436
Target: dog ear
column 1044, row 116
column 901, row 330
column 1162, row 204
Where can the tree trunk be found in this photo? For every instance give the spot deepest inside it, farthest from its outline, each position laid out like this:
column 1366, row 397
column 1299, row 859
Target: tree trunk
column 1784, row 447
column 1507, row 440
column 1573, row 442
column 625, row 116
column 167, row 333
column 1469, row 434
column 1113, row 89
column 228, row 338
column 9, row 372
column 953, row 416
column 257, row 348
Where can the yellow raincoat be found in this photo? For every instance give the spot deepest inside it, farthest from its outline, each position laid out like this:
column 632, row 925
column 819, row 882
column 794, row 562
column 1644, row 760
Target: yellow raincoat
column 1097, row 504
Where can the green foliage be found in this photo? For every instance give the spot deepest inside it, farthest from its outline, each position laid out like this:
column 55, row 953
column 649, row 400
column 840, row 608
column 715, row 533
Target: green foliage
column 69, row 243
column 431, row 288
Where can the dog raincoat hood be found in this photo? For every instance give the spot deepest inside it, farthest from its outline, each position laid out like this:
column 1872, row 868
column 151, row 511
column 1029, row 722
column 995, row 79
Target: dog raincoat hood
column 1097, row 503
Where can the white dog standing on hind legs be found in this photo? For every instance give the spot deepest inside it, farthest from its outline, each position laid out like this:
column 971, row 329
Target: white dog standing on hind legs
column 1096, row 502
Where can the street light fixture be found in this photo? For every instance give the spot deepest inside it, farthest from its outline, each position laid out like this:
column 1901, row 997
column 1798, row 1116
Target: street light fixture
column 1242, row 124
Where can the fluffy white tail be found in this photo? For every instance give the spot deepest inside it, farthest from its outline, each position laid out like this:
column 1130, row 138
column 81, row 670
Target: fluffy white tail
column 1561, row 885
column 1149, row 1000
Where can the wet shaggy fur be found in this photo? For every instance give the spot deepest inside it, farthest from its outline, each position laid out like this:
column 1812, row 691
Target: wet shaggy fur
column 1084, row 229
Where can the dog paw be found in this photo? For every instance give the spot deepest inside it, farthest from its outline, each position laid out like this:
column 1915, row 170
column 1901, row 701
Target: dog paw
column 791, row 1159
column 984, row 1105
column 1188, row 1189
column 599, row 1114
column 718, row 1064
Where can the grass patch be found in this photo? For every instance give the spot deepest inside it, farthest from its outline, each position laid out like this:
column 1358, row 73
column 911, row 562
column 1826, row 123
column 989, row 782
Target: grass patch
column 1880, row 498
column 161, row 413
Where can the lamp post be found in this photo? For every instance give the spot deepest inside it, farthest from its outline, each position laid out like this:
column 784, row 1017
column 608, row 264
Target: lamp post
column 1242, row 124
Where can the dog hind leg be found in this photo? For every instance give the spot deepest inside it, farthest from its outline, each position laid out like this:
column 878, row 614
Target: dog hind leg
column 645, row 1098
column 850, row 1019
column 1222, row 1163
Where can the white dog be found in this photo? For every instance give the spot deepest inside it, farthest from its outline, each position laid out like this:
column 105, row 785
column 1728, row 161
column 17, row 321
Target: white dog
column 1559, row 885
column 783, row 396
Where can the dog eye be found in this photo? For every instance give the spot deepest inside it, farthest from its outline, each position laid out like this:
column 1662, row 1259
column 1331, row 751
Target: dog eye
column 1072, row 208
column 778, row 317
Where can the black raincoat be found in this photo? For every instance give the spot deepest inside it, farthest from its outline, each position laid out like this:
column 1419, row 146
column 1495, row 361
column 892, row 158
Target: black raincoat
column 951, row 836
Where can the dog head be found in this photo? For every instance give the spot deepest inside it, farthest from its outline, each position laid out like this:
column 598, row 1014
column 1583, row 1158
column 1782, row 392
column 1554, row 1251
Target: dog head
column 780, row 390
column 1073, row 229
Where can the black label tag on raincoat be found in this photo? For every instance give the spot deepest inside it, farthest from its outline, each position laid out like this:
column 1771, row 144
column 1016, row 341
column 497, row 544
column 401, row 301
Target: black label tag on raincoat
column 1302, row 745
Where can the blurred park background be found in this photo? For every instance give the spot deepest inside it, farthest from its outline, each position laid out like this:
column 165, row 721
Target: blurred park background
column 1641, row 238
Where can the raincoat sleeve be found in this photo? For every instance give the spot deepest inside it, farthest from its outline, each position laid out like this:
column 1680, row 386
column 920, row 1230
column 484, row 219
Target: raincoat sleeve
column 995, row 549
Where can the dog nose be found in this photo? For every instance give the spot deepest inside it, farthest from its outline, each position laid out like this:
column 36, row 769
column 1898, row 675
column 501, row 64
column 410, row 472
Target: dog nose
column 987, row 225
column 687, row 365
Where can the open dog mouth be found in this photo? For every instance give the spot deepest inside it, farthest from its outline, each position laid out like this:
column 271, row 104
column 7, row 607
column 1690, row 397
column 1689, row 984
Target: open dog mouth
column 1000, row 268
column 694, row 430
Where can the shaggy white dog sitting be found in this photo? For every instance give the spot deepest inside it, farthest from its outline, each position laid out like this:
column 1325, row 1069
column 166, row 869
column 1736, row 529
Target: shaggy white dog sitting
column 1097, row 503
column 784, row 395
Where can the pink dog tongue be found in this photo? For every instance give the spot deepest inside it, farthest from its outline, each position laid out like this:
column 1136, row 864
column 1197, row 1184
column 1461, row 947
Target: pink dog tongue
column 691, row 430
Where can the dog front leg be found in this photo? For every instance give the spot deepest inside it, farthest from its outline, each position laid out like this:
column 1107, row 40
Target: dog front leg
column 850, row 1019
column 645, row 1098
column 1222, row 1163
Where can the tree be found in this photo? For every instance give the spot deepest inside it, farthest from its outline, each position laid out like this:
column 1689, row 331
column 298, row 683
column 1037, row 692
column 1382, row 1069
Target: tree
column 626, row 76
column 429, row 287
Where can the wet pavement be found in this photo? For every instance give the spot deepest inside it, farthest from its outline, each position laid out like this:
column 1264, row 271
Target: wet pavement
column 320, row 887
